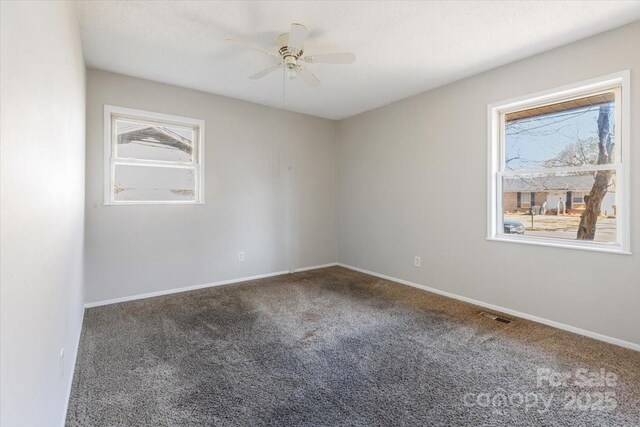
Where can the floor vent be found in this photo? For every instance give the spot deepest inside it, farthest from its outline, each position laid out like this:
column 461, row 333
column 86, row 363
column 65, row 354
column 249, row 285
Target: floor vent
column 494, row 317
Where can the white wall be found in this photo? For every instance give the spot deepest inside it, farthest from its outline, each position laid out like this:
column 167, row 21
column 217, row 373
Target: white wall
column 41, row 209
column 401, row 165
column 281, row 218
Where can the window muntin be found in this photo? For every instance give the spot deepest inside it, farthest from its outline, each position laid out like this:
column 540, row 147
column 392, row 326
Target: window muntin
column 549, row 143
column 152, row 158
column 525, row 200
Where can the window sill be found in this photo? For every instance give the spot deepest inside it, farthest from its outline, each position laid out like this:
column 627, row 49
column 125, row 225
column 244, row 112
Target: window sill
column 540, row 241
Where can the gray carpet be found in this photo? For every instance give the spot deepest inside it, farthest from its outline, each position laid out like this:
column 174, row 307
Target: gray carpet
column 336, row 347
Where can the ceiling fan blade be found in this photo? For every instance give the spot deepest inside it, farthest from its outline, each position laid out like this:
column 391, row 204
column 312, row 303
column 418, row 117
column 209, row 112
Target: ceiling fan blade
column 266, row 71
column 331, row 58
column 297, row 36
column 308, row 77
column 252, row 46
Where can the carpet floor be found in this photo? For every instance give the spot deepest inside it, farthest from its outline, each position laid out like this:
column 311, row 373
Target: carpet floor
column 335, row 347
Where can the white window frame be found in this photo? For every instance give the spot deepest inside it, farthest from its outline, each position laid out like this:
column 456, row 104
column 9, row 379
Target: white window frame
column 495, row 128
column 111, row 159
column 522, row 202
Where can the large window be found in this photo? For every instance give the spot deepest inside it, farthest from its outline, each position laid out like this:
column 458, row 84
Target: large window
column 559, row 167
column 152, row 158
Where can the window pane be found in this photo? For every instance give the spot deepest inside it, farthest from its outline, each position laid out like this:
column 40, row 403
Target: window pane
column 138, row 140
column 559, row 135
column 557, row 211
column 578, row 198
column 150, row 183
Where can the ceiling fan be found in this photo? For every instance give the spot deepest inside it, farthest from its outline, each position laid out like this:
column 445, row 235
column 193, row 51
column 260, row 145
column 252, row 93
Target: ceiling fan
column 290, row 55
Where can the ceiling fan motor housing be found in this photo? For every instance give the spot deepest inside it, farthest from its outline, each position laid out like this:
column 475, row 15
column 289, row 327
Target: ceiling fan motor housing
column 283, row 48
column 289, row 56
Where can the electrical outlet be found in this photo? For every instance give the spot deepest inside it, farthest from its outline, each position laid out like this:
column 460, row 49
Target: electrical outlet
column 417, row 261
column 241, row 256
column 62, row 362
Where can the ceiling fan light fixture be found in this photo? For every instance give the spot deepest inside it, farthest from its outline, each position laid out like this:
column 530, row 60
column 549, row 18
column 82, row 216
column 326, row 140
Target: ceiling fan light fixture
column 291, row 66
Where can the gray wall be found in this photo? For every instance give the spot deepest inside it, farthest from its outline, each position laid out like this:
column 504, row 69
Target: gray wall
column 41, row 209
column 400, row 166
column 270, row 191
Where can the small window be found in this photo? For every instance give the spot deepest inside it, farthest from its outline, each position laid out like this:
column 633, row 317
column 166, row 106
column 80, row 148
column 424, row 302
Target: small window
column 565, row 151
column 152, row 158
column 577, row 198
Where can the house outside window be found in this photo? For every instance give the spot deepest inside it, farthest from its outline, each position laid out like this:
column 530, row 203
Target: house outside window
column 152, row 158
column 559, row 165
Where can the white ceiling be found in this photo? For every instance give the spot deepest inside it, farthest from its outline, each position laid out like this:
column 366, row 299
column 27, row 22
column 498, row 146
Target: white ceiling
column 402, row 48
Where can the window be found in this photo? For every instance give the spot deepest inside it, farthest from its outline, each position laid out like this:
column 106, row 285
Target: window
column 577, row 198
column 152, row 158
column 564, row 155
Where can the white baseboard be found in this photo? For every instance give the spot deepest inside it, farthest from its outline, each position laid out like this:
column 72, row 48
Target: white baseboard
column 72, row 372
column 594, row 335
column 205, row 285
column 314, row 267
column 184, row 289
